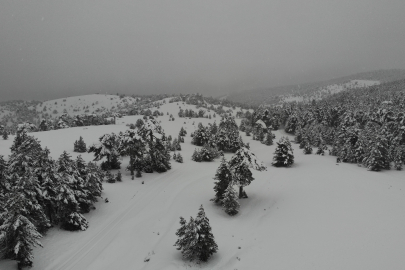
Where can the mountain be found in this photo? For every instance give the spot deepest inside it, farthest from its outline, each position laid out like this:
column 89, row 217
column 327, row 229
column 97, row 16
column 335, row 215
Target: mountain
column 274, row 95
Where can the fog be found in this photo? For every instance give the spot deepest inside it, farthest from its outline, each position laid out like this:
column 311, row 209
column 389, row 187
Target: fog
column 51, row 49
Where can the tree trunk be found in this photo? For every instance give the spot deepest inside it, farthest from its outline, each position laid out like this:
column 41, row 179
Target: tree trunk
column 240, row 192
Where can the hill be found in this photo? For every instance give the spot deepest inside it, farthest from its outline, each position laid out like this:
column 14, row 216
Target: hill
column 315, row 215
column 276, row 94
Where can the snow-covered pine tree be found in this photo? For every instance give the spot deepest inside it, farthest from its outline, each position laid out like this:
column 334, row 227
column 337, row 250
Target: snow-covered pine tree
column 182, row 132
column 307, row 148
column 190, row 239
column 181, row 233
column 320, row 150
column 108, row 147
column 93, row 183
column 268, row 138
column 374, row 160
column 118, row 177
column 398, row 155
column 179, row 158
column 5, row 135
column 239, row 165
column 68, row 206
column 18, row 234
column 223, row 177
column 206, row 245
column 80, row 146
column 283, row 156
column 196, row 156
column 230, row 201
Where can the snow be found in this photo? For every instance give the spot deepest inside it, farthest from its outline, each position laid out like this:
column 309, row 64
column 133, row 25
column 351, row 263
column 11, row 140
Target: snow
column 78, row 104
column 315, row 215
column 329, row 90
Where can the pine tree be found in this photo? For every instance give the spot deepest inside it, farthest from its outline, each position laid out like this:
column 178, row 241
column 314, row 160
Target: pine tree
column 5, row 135
column 398, row 154
column 18, row 234
column 80, row 146
column 223, row 177
column 108, row 147
column 283, row 156
column 268, row 139
column 179, row 158
column 206, row 245
column 190, row 240
column 196, row 156
column 68, row 206
column 240, row 165
column 307, row 148
column 119, row 177
column 230, row 201
column 181, row 233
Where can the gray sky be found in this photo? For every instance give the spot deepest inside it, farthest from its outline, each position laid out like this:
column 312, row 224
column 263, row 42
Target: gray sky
column 57, row 48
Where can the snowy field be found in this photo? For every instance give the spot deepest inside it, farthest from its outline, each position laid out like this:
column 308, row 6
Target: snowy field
column 329, row 90
column 315, row 215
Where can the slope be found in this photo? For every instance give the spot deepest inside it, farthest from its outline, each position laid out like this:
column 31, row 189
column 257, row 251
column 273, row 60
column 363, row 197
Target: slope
column 314, row 215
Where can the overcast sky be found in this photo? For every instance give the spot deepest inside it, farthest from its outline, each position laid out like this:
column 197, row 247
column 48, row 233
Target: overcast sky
column 58, row 48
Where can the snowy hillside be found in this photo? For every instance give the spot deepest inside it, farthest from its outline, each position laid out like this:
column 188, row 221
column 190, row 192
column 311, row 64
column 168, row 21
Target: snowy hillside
column 315, row 215
column 84, row 104
column 322, row 92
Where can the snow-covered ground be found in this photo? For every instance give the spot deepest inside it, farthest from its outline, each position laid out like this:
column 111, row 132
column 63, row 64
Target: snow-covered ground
column 315, row 215
column 84, row 104
column 329, row 90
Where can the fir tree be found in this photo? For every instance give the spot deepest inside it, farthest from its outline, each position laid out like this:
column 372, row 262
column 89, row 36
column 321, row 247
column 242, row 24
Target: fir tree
column 5, row 135
column 223, row 177
column 240, row 165
column 196, row 156
column 181, row 233
column 230, row 201
column 119, row 177
column 283, row 156
column 179, row 158
column 80, row 146
column 190, row 239
column 18, row 234
column 398, row 155
column 268, row 139
column 307, row 148
column 206, row 245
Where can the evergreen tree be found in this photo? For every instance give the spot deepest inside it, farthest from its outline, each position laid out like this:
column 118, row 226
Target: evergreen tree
column 230, row 201
column 182, row 132
column 80, row 146
column 68, row 206
column 119, row 177
column 398, row 155
column 181, row 233
column 179, row 158
column 268, row 139
column 18, row 234
column 189, row 241
column 283, row 156
column 206, row 245
column 240, row 165
column 5, row 135
column 223, row 177
column 307, row 148
column 196, row 156
column 108, row 147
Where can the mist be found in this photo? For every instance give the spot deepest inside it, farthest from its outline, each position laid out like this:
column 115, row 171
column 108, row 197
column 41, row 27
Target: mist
column 52, row 49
